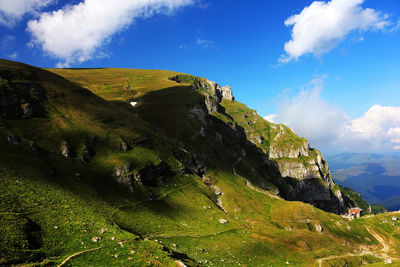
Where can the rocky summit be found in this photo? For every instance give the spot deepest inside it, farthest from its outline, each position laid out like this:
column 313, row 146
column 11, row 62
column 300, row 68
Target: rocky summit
column 185, row 176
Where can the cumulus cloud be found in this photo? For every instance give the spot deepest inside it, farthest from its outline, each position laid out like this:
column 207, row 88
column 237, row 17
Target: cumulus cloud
column 311, row 116
column 322, row 25
column 378, row 128
column 329, row 127
column 75, row 33
column 12, row 11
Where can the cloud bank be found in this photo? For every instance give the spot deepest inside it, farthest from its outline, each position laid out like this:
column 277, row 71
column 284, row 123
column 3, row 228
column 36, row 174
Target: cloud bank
column 328, row 127
column 12, row 11
column 75, row 33
column 322, row 25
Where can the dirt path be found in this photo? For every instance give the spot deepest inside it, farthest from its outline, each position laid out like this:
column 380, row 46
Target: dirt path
column 77, row 254
column 382, row 253
column 386, row 247
column 250, row 185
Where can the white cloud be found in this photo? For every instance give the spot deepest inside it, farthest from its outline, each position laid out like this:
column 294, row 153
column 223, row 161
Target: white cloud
column 311, row 116
column 322, row 25
column 378, row 128
column 12, row 11
column 205, row 43
column 271, row 118
column 75, row 33
column 328, row 127
column 13, row 56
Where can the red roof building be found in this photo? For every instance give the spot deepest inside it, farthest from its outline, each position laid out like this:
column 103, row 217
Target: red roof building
column 355, row 212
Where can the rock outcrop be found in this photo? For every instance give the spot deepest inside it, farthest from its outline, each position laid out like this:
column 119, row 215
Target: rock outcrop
column 299, row 172
column 67, row 150
column 20, row 100
column 87, row 153
column 227, row 93
column 214, row 89
column 13, row 139
column 292, row 150
column 127, row 176
column 150, row 175
column 198, row 84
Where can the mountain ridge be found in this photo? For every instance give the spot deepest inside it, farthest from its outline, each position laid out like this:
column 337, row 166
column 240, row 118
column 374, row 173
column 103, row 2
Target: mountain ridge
column 83, row 172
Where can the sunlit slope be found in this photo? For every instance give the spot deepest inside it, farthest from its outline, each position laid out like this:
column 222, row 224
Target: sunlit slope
column 118, row 84
column 62, row 210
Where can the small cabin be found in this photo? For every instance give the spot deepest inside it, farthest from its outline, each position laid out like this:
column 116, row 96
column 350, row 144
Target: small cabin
column 355, row 212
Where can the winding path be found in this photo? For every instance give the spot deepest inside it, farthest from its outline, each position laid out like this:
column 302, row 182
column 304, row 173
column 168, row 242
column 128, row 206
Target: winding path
column 77, row 254
column 382, row 253
column 250, row 185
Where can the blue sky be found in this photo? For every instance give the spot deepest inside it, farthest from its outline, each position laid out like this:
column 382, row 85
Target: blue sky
column 349, row 87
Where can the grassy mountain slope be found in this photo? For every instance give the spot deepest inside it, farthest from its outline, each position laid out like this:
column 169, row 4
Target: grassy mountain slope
column 131, row 188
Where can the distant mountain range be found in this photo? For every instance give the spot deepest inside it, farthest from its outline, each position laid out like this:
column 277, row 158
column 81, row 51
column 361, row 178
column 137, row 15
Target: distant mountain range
column 347, row 160
column 375, row 176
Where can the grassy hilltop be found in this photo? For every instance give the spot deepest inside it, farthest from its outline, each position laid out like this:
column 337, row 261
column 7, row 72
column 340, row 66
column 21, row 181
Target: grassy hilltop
column 86, row 179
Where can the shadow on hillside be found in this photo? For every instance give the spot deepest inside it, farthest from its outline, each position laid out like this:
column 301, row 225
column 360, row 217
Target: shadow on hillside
column 217, row 144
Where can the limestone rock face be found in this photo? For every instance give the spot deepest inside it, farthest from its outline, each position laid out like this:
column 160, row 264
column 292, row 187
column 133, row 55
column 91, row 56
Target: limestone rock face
column 313, row 168
column 227, row 93
column 311, row 181
column 66, row 149
column 214, row 89
column 298, row 171
column 292, row 152
column 211, row 104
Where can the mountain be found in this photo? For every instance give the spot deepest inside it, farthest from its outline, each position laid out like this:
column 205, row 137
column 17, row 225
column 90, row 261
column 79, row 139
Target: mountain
column 379, row 183
column 347, row 160
column 375, row 176
column 353, row 199
column 126, row 167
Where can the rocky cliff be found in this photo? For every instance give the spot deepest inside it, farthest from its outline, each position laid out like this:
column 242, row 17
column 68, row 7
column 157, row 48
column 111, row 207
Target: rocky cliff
column 303, row 174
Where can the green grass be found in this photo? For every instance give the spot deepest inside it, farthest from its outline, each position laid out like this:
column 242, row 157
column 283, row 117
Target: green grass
column 52, row 207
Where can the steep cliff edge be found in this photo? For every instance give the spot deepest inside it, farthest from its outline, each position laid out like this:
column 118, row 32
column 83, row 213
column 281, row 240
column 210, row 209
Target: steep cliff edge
column 304, row 173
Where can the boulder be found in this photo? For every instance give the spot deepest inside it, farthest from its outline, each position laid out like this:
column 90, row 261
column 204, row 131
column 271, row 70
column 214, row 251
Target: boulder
column 123, row 146
column 223, row 221
column 13, row 139
column 87, row 154
column 33, row 146
column 127, row 176
column 66, row 149
column 27, row 111
column 318, row 228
